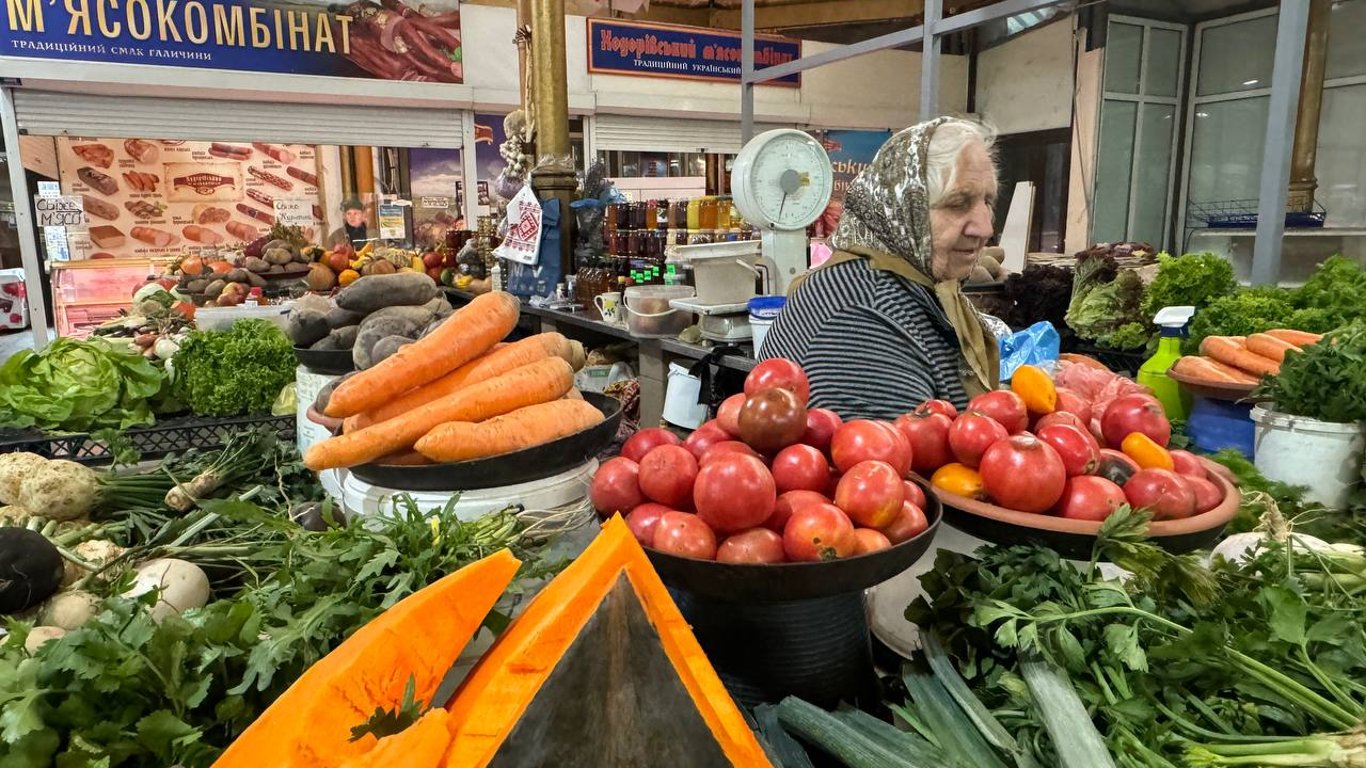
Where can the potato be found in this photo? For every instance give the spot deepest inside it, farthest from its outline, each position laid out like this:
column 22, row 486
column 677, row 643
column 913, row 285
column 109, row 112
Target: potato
column 320, row 402
column 992, row 266
column 386, row 347
column 979, row 275
column 305, row 327
column 256, row 265
column 345, row 336
column 374, row 292
column 275, row 269
column 197, row 285
column 238, row 275
column 419, row 316
column 255, row 280
column 996, row 252
column 373, row 330
column 340, row 318
column 215, row 289
column 279, row 255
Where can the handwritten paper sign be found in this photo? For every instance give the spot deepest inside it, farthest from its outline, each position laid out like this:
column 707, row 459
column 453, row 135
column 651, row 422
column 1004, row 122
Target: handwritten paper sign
column 296, row 212
column 522, row 243
column 61, row 211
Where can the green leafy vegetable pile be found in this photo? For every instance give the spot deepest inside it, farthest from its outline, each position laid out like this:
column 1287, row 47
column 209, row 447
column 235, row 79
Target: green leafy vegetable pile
column 126, row 691
column 1195, row 279
column 1040, row 292
column 78, row 386
column 237, row 371
column 1107, row 303
column 1324, row 381
column 1330, row 298
column 1181, row 664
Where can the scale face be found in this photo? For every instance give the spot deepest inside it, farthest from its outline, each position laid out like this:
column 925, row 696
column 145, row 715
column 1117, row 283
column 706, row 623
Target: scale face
column 782, row 180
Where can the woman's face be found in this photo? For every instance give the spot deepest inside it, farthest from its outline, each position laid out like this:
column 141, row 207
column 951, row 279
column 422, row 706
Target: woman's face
column 961, row 222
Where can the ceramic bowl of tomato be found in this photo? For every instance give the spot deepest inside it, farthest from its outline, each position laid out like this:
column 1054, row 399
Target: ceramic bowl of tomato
column 1074, row 538
column 772, row 582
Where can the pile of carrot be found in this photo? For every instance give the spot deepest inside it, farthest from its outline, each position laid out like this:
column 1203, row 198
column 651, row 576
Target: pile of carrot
column 459, row 393
column 1243, row 359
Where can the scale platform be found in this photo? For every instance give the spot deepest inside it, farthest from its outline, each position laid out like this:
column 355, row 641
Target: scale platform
column 720, row 322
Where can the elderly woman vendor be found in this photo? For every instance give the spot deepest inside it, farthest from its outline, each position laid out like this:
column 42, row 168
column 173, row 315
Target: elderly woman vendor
column 883, row 325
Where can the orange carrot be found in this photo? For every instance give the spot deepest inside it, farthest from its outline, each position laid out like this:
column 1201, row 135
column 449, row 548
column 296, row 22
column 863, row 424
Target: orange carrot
column 462, row 337
column 1213, row 371
column 495, row 363
column 1269, row 346
column 1230, row 352
column 523, row 428
column 573, row 394
column 1298, row 338
column 540, row 382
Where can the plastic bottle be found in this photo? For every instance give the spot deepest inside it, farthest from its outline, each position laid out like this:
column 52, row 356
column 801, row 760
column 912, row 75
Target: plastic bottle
column 496, row 276
column 1153, row 373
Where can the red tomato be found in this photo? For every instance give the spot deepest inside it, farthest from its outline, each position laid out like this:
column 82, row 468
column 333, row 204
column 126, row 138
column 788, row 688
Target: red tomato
column 1135, row 413
column 908, row 523
column 861, row 440
column 972, row 434
column 1079, row 451
column 643, row 520
column 1005, row 407
column 705, row 437
column 871, row 493
column 818, row 532
column 800, row 468
column 645, row 440
column 1189, row 464
column 777, row 372
column 667, row 475
column 867, row 541
column 728, row 415
column 772, row 419
column 1208, row 494
column 1063, row 417
column 820, row 428
column 685, row 534
column 1166, row 493
column 757, row 545
column 1073, row 403
column 914, row 494
column 928, row 434
column 1089, row 498
column 616, row 487
column 787, row 504
column 734, row 493
column 938, row 406
column 724, row 447
column 1024, row 473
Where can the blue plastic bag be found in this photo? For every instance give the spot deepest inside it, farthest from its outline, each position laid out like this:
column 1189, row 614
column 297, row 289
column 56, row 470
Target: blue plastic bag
column 1039, row 345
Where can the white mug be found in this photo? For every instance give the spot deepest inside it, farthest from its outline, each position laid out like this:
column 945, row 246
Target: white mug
column 609, row 306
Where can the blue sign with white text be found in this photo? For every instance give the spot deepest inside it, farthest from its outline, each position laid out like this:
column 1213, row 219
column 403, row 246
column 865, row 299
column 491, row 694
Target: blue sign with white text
column 687, row 53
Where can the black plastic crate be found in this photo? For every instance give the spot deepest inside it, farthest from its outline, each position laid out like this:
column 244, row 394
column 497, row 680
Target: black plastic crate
column 174, row 435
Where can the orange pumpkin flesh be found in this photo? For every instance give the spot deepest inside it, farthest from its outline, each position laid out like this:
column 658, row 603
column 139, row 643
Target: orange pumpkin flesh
column 420, row 745
column 599, row 596
column 419, row 637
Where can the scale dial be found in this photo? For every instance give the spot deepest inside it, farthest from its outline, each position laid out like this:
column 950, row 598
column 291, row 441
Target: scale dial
column 782, row 180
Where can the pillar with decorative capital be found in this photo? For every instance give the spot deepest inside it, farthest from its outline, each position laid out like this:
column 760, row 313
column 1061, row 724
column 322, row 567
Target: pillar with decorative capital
column 1302, row 180
column 554, row 176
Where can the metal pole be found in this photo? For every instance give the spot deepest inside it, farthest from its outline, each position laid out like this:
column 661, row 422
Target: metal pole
column 23, row 218
column 929, row 61
column 746, row 71
column 1280, row 130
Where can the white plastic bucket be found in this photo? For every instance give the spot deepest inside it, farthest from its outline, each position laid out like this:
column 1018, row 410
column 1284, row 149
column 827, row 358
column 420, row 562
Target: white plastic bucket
column 361, row 498
column 681, row 408
column 307, row 385
column 763, row 310
column 1321, row 455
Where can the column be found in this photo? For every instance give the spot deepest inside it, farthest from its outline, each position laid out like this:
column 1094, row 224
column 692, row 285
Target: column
column 551, row 97
column 1302, row 180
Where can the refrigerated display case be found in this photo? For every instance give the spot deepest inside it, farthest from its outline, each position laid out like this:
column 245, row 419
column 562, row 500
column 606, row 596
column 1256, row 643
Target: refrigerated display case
column 87, row 293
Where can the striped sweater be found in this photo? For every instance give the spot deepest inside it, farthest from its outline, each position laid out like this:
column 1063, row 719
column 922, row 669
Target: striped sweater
column 873, row 344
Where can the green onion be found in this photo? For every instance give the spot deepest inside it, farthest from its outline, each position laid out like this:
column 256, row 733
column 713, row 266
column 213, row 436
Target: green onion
column 1074, row 734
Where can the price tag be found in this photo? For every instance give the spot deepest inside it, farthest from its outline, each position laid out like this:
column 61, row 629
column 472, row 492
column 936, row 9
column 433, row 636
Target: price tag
column 49, row 189
column 296, row 212
column 435, row 202
column 392, row 225
column 54, row 238
column 61, row 211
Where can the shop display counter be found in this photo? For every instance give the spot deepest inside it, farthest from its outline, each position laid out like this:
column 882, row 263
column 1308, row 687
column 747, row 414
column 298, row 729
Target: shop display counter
column 87, row 293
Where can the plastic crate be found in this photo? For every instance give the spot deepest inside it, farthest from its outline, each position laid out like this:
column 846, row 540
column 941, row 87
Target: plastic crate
column 175, row 435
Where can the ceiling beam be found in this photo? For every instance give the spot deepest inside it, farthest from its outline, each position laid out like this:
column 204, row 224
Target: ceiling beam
column 820, row 14
column 664, row 14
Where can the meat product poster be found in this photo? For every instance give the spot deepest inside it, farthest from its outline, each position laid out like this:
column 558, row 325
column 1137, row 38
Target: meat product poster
column 160, row 198
column 375, row 39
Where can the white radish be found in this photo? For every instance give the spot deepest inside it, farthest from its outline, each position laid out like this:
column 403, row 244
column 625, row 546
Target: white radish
column 1241, row 547
column 183, row 585
column 38, row 636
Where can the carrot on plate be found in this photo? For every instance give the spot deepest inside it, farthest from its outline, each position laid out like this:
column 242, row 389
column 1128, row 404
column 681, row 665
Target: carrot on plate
column 1269, row 346
column 523, row 428
column 500, row 360
column 540, row 382
column 1229, row 352
column 1212, row 371
column 465, row 335
column 1298, row 338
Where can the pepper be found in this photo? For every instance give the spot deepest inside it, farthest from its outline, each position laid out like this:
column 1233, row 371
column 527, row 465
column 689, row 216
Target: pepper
column 1036, row 388
column 1146, row 453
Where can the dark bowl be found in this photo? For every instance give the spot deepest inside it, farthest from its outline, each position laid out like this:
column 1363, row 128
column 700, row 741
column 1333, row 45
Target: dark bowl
column 294, row 273
column 1075, row 538
column 333, row 361
column 779, row 582
column 1229, row 391
column 514, row 468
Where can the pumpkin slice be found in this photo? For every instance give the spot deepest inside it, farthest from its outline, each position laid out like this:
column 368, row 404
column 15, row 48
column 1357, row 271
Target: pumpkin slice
column 420, row 637
column 601, row 669
column 420, row 745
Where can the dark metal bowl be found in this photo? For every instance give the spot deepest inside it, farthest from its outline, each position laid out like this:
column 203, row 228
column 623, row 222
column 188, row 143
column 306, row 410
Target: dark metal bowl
column 776, row 582
column 332, row 361
column 514, row 468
